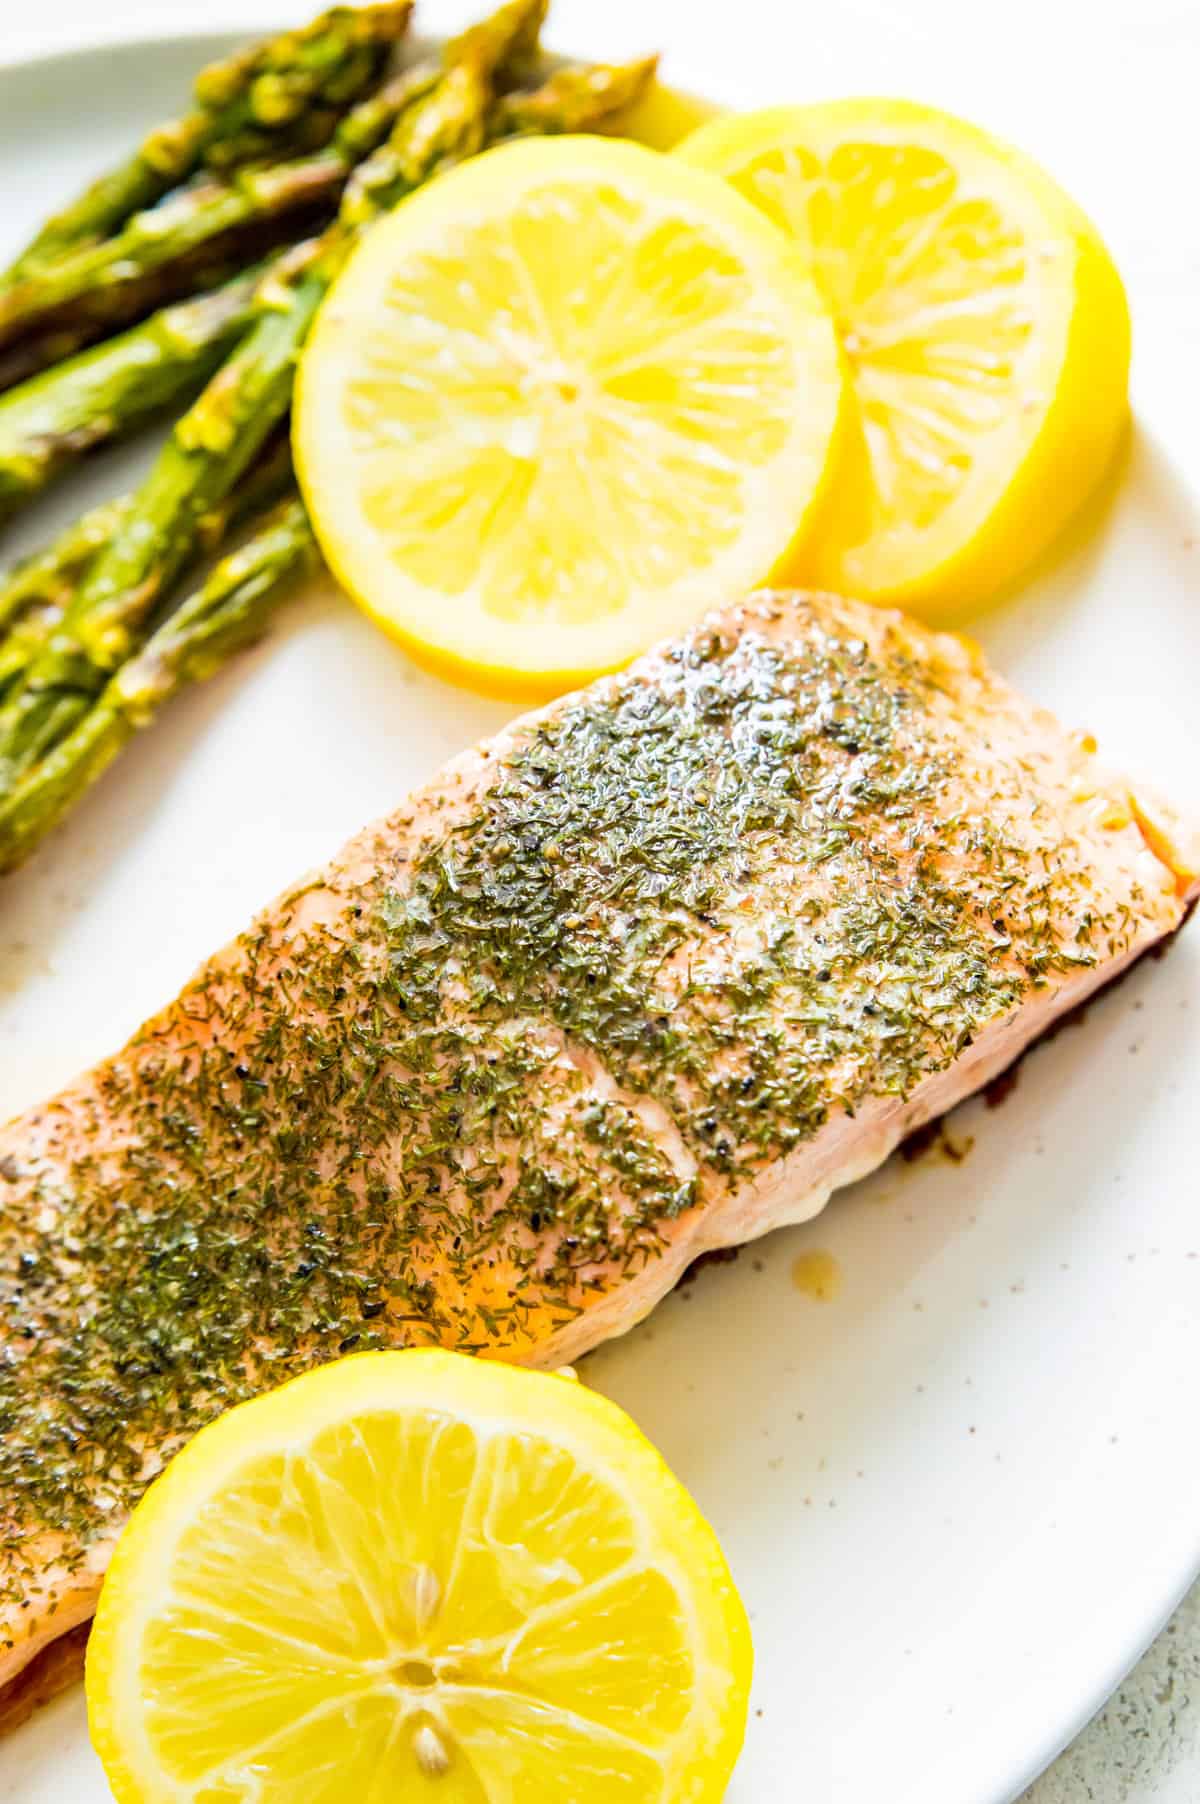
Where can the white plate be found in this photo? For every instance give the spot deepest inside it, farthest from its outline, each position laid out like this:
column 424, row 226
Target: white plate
column 961, row 1497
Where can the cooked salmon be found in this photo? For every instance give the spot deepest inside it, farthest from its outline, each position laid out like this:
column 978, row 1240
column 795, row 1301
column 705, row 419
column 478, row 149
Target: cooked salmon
column 649, row 974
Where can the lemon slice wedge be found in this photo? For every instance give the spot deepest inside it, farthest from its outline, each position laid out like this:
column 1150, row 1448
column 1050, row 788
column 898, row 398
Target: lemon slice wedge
column 419, row 1576
column 561, row 401
column 985, row 329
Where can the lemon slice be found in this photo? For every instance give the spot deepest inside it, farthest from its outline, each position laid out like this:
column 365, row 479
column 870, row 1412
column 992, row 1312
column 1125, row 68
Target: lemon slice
column 561, row 401
column 418, row 1576
column 985, row 329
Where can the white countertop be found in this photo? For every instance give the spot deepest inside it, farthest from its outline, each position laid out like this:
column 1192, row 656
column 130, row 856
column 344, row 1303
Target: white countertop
column 1126, row 75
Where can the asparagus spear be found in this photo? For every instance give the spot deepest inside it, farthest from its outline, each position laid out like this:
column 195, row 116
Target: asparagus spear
column 213, row 443
column 519, row 60
column 579, row 97
column 159, row 251
column 227, row 612
column 35, row 595
column 243, row 105
column 50, row 575
column 102, row 394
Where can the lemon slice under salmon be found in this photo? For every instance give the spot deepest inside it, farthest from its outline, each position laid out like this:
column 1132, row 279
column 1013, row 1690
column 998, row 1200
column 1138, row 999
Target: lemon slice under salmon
column 419, row 1576
column 560, row 402
column 985, row 329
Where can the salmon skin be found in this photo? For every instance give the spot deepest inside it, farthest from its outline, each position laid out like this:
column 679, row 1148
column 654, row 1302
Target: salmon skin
column 652, row 972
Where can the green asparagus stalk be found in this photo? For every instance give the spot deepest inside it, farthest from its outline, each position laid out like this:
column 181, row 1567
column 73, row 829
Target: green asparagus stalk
column 36, row 593
column 50, row 576
column 580, row 97
column 47, row 423
column 450, row 123
column 230, row 610
column 243, row 105
column 216, row 440
column 159, row 251
column 28, row 357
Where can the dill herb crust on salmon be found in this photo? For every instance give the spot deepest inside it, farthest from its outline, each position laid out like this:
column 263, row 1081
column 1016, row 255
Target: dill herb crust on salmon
column 648, row 974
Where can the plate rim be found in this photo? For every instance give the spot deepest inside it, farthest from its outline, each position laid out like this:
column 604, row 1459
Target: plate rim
column 134, row 42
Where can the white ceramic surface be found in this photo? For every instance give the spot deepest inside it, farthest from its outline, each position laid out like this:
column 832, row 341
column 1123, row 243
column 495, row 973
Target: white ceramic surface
column 919, row 1482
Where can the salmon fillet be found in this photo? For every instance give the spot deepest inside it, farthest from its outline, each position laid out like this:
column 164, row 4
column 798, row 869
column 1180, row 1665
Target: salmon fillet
column 647, row 975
